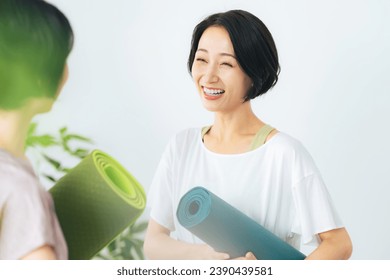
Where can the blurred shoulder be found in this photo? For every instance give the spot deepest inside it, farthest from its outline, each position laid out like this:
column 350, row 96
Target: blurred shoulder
column 16, row 177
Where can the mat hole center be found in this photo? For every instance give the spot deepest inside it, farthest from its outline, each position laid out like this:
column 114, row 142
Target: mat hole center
column 194, row 207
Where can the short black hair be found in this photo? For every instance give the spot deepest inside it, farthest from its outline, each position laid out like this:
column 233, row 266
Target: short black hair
column 35, row 41
column 253, row 45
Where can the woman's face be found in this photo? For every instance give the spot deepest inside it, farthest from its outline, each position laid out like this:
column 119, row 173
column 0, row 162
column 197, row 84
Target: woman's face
column 63, row 80
column 47, row 102
column 221, row 82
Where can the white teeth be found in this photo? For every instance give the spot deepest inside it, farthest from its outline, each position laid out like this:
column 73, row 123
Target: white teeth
column 213, row 91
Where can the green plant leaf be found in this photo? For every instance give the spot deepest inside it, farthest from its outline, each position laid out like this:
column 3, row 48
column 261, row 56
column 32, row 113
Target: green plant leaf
column 139, row 248
column 49, row 177
column 140, row 227
column 55, row 163
column 81, row 153
column 63, row 130
column 66, row 169
column 78, row 137
column 45, row 140
column 112, row 246
column 32, row 128
column 103, row 257
column 138, row 242
column 126, row 250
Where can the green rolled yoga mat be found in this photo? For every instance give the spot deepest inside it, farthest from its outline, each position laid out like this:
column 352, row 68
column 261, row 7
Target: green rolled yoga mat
column 95, row 202
column 228, row 230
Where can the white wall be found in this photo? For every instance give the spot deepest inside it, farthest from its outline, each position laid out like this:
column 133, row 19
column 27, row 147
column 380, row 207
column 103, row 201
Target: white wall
column 129, row 90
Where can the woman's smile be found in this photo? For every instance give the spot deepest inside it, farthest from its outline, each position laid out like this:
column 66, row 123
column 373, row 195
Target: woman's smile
column 212, row 93
column 216, row 72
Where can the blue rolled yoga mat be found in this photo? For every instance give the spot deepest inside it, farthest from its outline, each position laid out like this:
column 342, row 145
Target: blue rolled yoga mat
column 228, row 230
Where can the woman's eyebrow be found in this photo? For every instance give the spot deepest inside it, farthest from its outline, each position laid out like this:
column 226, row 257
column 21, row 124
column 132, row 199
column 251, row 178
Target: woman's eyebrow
column 221, row 54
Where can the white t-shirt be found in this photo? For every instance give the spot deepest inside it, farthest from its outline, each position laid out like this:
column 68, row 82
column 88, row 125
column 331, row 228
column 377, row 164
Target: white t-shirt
column 27, row 217
column 277, row 185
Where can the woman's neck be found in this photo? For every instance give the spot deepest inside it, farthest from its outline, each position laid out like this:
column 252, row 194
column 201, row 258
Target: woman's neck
column 233, row 132
column 13, row 131
column 242, row 122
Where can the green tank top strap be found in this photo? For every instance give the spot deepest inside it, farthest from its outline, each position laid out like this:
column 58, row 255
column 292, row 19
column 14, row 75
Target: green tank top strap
column 258, row 140
column 205, row 130
column 261, row 137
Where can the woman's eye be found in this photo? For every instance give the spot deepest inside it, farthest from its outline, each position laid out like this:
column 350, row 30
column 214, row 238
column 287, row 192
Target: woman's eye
column 227, row 64
column 201, row 59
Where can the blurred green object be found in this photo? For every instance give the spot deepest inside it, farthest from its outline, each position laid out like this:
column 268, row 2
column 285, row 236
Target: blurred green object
column 95, row 202
column 228, row 230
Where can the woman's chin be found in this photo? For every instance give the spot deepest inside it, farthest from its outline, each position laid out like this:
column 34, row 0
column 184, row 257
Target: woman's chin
column 210, row 107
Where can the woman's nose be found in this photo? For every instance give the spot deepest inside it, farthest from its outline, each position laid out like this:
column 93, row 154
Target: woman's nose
column 210, row 75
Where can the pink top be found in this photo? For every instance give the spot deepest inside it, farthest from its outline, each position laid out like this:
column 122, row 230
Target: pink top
column 27, row 217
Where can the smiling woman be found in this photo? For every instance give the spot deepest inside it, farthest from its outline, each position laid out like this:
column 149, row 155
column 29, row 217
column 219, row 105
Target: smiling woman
column 266, row 174
column 237, row 40
column 217, row 73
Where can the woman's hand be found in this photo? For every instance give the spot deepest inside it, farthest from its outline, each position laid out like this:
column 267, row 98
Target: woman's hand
column 45, row 252
column 205, row 252
column 159, row 245
column 248, row 256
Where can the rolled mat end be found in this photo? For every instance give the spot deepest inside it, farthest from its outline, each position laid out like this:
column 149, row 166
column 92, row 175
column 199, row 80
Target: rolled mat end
column 95, row 202
column 194, row 208
column 228, row 230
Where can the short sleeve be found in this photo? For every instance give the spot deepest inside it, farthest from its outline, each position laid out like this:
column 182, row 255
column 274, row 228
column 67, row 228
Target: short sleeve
column 160, row 192
column 315, row 211
column 25, row 219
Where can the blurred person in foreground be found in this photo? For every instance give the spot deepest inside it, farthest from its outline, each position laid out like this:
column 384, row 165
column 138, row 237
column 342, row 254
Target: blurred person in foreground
column 35, row 41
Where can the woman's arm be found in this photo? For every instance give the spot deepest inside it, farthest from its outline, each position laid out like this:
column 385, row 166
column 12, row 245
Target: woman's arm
column 45, row 252
column 159, row 245
column 335, row 245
